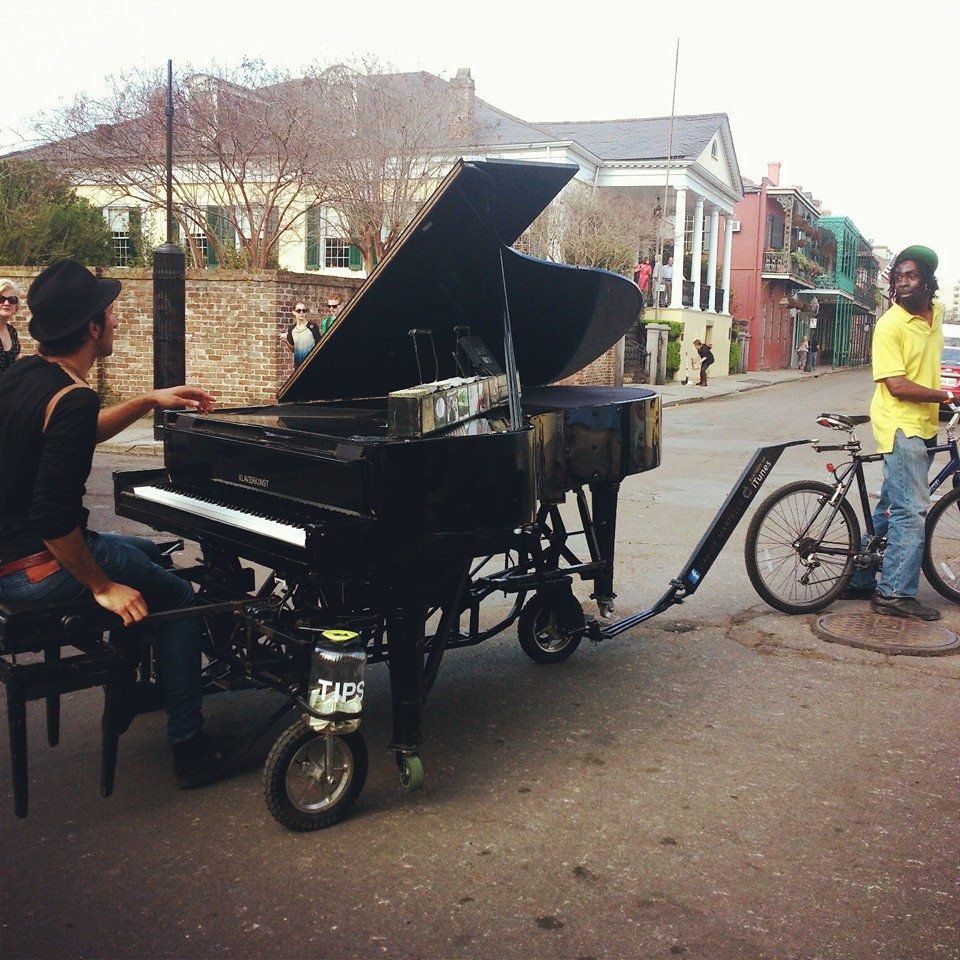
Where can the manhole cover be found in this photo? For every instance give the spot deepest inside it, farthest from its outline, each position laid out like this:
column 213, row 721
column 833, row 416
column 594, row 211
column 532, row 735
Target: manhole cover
column 891, row 635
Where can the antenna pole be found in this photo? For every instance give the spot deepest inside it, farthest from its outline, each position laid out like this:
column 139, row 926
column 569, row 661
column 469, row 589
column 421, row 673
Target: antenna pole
column 666, row 190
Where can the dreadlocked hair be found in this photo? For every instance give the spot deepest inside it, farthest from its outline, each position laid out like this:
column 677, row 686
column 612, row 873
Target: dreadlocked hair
column 927, row 277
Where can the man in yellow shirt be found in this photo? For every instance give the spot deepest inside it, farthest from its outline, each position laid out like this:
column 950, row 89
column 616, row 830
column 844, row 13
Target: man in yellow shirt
column 907, row 344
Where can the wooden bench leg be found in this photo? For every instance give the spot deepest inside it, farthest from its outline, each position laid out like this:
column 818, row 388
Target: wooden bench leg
column 17, row 725
column 51, row 655
column 119, row 704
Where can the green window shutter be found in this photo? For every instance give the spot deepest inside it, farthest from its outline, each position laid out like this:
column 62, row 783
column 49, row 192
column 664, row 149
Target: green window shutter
column 356, row 257
column 218, row 223
column 135, row 231
column 213, row 216
column 312, row 261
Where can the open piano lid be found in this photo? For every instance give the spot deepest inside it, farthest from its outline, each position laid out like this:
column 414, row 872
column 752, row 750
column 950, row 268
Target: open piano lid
column 445, row 272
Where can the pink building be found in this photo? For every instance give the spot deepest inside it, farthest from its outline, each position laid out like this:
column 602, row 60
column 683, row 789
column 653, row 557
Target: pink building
column 778, row 253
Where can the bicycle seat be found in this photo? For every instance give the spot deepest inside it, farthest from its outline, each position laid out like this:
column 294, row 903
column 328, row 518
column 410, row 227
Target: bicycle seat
column 840, row 421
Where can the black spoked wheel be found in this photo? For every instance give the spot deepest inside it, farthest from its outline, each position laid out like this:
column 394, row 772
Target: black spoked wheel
column 312, row 780
column 941, row 555
column 551, row 626
column 799, row 550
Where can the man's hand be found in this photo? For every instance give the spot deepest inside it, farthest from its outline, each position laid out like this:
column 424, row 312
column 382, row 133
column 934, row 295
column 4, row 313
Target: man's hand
column 122, row 600
column 179, row 398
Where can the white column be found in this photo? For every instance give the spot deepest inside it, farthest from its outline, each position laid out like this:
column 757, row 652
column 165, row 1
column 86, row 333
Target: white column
column 712, row 258
column 679, row 230
column 697, row 250
column 727, row 248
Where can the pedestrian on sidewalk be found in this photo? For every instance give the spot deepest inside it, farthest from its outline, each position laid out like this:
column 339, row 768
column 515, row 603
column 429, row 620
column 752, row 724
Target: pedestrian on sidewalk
column 904, row 413
column 813, row 356
column 706, row 360
column 802, row 351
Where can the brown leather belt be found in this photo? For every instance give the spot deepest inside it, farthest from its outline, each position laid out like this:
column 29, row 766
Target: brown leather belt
column 44, row 557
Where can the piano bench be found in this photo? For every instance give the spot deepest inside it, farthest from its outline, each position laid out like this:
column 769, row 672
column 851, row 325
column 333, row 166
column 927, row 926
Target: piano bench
column 48, row 629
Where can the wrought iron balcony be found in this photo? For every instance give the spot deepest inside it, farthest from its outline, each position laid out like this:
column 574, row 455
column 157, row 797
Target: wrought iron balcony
column 687, row 298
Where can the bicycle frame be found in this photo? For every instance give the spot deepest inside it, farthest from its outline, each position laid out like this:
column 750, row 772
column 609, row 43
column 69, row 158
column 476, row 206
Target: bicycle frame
column 845, row 475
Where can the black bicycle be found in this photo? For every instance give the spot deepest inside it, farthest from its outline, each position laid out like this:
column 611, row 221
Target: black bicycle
column 803, row 544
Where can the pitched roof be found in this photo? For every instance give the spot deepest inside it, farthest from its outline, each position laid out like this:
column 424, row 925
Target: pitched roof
column 644, row 138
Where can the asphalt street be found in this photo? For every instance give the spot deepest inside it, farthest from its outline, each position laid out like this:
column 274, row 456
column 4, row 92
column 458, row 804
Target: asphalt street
column 717, row 783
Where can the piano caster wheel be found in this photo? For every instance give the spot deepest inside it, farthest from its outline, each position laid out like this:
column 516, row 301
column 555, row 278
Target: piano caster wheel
column 551, row 626
column 411, row 771
column 311, row 779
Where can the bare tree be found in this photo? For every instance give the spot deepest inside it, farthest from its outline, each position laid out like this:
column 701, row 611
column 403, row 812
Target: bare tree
column 256, row 148
column 247, row 163
column 593, row 227
column 397, row 136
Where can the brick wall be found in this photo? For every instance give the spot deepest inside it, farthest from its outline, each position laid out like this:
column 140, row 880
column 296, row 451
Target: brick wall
column 233, row 323
column 606, row 370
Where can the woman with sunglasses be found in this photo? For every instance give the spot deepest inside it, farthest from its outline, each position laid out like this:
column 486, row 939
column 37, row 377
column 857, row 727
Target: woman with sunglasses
column 10, row 295
column 302, row 335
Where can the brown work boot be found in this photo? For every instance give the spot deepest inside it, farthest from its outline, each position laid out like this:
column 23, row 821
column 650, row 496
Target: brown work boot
column 907, row 607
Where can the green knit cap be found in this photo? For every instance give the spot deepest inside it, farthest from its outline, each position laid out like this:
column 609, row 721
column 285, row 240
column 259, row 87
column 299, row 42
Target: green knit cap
column 921, row 254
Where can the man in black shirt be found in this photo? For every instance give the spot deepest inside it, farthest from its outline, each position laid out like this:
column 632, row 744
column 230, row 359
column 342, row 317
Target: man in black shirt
column 50, row 422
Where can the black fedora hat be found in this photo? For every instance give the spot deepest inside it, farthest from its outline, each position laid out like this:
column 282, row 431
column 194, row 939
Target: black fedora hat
column 64, row 297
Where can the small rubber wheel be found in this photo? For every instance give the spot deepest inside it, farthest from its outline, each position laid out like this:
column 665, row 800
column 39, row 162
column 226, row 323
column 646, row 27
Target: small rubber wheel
column 309, row 784
column 551, row 626
column 411, row 772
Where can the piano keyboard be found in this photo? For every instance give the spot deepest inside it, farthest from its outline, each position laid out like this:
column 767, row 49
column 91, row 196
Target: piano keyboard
column 212, row 510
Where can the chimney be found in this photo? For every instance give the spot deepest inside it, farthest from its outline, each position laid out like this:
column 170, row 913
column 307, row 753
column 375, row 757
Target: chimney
column 463, row 90
column 773, row 173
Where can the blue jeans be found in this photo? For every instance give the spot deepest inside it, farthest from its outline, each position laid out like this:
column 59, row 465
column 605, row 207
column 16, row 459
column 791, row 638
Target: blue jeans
column 134, row 561
column 901, row 515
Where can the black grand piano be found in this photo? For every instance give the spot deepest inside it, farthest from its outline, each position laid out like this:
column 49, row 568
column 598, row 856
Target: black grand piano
column 414, row 465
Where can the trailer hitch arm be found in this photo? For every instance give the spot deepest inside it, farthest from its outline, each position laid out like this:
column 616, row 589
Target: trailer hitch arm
column 711, row 543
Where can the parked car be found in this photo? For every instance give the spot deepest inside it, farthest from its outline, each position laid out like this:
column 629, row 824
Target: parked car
column 950, row 360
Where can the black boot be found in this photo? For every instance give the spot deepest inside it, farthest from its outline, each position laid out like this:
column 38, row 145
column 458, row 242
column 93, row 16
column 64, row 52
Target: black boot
column 203, row 759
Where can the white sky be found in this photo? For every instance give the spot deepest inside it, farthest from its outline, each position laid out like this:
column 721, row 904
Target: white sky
column 859, row 101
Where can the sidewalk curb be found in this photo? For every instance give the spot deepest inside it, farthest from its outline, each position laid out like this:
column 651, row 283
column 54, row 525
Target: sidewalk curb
column 746, row 387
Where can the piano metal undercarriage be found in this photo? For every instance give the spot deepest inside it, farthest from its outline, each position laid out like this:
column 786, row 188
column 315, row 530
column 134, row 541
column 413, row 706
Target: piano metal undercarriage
column 377, row 546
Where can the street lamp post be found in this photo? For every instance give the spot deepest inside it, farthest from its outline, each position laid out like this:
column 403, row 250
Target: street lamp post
column 169, row 290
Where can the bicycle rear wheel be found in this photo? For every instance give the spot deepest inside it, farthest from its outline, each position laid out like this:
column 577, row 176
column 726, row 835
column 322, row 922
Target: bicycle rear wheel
column 941, row 553
column 799, row 551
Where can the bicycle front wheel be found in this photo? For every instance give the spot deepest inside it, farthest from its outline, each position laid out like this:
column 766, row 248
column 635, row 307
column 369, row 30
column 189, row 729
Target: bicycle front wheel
column 941, row 554
column 800, row 550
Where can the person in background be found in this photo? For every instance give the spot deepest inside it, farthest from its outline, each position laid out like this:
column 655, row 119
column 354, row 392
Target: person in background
column 706, row 360
column 10, row 295
column 802, row 351
column 643, row 272
column 302, row 335
column 813, row 355
column 50, row 423
column 333, row 306
column 904, row 413
column 668, row 280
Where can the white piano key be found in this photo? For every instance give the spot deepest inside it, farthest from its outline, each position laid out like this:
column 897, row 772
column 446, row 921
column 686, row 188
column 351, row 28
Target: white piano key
column 264, row 526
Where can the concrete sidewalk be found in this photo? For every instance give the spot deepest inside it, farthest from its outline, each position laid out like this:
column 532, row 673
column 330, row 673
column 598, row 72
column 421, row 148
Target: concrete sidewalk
column 138, row 439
